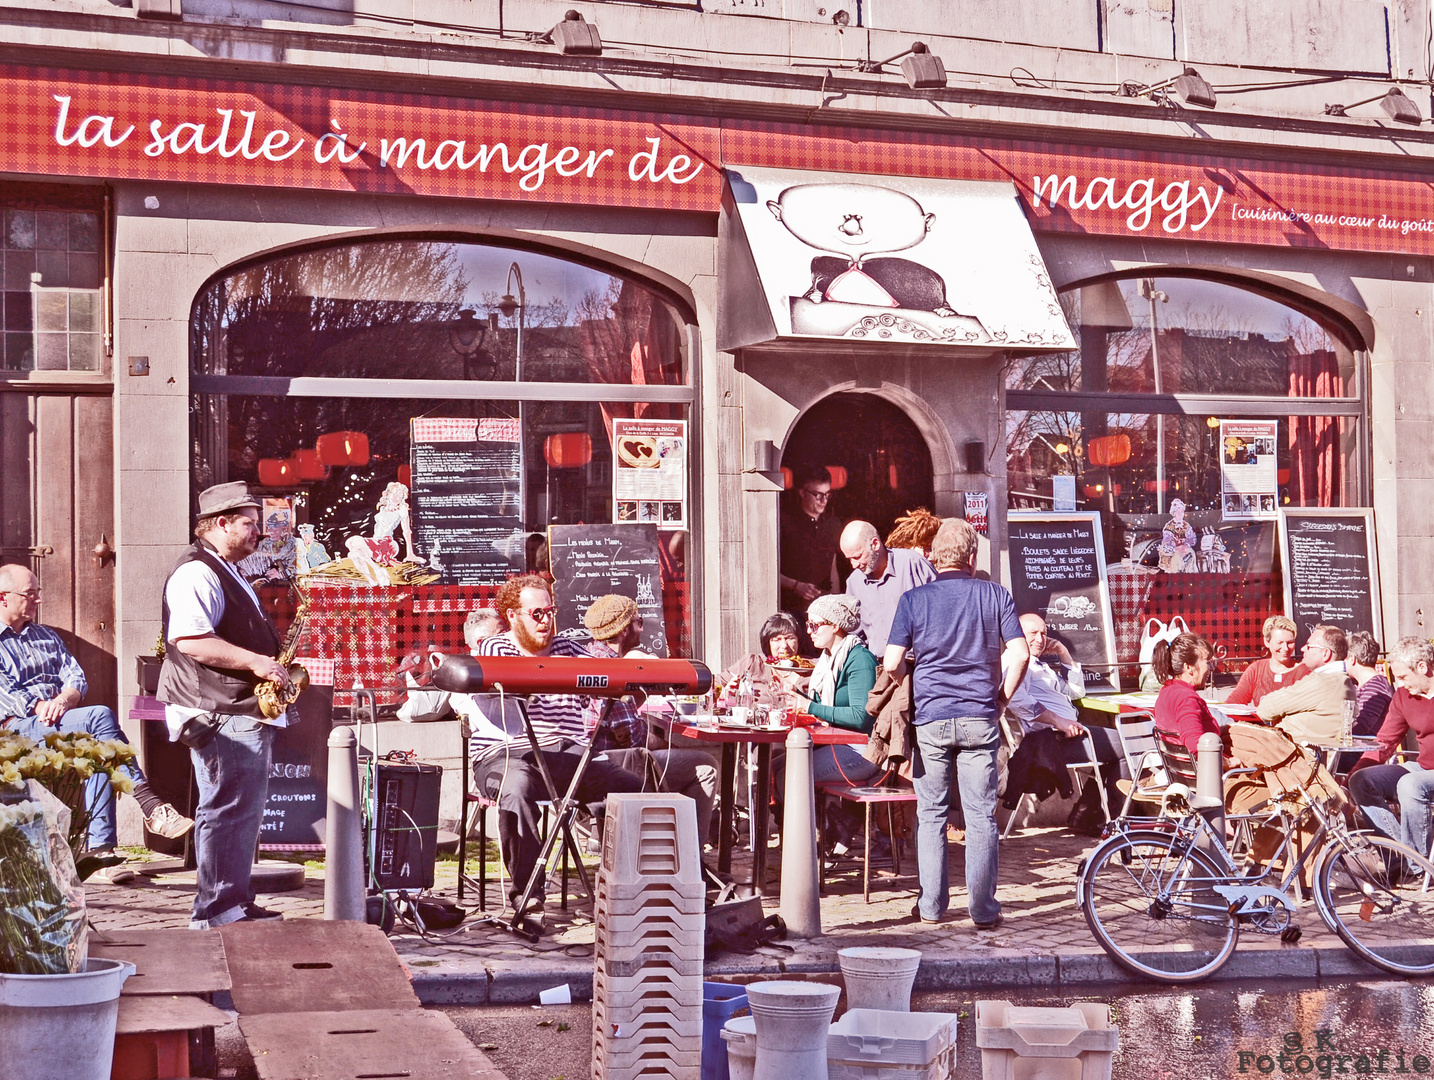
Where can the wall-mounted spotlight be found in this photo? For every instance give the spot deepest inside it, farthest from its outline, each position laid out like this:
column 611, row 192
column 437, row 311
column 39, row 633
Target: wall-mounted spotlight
column 1188, row 87
column 1396, row 105
column 922, row 68
column 575, row 36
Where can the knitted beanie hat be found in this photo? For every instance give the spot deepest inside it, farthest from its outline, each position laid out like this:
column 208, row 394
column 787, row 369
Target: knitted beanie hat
column 609, row 616
column 843, row 612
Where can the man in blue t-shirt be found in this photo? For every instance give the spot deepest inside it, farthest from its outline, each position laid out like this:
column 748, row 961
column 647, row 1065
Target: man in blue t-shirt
column 970, row 657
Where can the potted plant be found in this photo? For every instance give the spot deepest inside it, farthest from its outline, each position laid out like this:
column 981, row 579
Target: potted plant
column 51, row 994
column 147, row 668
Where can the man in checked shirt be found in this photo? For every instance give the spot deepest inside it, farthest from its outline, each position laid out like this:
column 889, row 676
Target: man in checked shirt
column 504, row 766
column 41, row 687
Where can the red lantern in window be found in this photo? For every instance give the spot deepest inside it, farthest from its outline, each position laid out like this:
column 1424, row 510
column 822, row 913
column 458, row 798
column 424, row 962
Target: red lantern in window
column 343, row 448
column 1283, row 476
column 274, row 472
column 309, row 466
column 891, row 477
column 568, row 449
column 838, row 475
column 1108, row 450
column 786, row 478
column 405, row 476
column 1152, row 486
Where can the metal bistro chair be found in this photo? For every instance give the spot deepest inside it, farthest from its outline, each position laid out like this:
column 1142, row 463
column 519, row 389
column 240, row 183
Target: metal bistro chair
column 1012, row 733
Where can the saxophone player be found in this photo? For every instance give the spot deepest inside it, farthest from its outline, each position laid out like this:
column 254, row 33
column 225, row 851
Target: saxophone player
column 220, row 644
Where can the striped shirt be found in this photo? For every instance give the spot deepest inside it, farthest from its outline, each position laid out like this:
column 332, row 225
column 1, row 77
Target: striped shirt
column 35, row 666
column 554, row 716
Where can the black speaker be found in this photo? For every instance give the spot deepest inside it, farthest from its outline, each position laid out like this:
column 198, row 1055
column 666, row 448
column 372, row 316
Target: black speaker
column 405, row 816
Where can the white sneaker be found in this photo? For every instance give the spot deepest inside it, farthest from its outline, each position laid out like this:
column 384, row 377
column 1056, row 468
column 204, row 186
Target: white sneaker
column 168, row 822
column 113, row 875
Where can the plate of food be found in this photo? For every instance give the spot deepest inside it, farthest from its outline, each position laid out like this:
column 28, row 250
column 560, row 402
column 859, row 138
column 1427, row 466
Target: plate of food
column 791, row 663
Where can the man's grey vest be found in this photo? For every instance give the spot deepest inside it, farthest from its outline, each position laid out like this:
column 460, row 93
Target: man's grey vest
column 185, row 681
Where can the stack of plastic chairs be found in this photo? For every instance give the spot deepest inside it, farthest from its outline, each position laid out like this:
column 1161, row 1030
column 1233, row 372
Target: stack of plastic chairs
column 647, row 986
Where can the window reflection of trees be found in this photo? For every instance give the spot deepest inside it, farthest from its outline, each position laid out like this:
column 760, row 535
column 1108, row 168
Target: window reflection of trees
column 1210, row 339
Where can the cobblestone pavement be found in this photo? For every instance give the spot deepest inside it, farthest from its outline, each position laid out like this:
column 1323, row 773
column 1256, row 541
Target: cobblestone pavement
column 1043, row 940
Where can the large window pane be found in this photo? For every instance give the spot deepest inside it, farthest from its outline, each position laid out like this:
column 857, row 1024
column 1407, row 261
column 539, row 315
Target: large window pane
column 432, row 309
column 1188, row 336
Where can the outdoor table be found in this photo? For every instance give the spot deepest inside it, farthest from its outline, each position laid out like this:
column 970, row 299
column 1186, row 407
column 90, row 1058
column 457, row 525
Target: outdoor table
column 729, row 736
column 1331, row 750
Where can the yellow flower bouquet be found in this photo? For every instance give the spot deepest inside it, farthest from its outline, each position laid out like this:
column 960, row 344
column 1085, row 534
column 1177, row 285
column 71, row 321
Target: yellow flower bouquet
column 63, row 763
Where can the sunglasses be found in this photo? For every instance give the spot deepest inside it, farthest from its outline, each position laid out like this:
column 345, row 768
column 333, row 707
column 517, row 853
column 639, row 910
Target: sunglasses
column 816, row 625
column 540, row 614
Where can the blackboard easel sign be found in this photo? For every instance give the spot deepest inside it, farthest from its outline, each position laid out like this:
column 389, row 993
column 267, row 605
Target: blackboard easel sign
column 589, row 561
column 1057, row 569
column 1331, row 568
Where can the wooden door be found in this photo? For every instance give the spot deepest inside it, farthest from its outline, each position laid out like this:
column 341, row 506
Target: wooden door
column 56, row 505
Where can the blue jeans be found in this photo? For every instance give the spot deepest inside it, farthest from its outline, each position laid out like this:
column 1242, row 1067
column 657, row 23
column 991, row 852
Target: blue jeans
column 1409, row 785
column 971, row 744
column 99, row 721
column 232, row 773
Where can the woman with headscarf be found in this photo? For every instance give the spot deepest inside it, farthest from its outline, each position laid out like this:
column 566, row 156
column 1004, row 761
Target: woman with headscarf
column 840, row 683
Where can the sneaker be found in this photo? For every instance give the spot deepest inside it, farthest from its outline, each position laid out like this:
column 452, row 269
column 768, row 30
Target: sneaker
column 113, row 875
column 168, row 822
column 997, row 921
column 255, row 913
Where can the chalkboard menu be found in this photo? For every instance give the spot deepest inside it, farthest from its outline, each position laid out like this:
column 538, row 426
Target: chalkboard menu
column 467, row 498
column 1057, row 569
column 295, row 810
column 1330, row 569
column 589, row 561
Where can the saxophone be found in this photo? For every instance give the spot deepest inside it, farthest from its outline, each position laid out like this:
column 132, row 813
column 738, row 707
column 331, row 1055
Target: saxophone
column 275, row 700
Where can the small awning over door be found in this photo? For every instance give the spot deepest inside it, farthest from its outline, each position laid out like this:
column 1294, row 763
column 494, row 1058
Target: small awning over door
column 812, row 257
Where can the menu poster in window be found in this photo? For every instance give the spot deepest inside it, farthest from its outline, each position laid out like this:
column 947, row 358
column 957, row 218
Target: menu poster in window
column 649, row 475
column 1057, row 570
column 467, row 497
column 589, row 561
column 1331, row 568
column 1249, row 475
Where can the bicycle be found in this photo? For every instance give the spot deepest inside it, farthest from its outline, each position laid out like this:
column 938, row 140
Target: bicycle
column 1166, row 901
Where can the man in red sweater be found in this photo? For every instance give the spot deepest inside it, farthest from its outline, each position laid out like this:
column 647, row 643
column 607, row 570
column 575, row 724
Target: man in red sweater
column 1373, row 784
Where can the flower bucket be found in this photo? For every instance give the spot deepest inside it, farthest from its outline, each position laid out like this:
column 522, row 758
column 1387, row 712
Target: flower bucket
column 879, row 978
column 61, row 1027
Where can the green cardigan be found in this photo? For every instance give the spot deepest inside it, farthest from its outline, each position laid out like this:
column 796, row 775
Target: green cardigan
column 853, row 683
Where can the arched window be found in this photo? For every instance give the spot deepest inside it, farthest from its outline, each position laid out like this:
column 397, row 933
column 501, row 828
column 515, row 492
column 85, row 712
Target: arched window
column 536, row 358
column 1196, row 401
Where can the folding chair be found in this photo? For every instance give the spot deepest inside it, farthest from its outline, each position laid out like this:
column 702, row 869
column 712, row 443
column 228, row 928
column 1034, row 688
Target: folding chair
column 1013, row 733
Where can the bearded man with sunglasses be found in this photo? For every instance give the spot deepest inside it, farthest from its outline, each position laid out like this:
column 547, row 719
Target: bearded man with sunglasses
column 504, row 766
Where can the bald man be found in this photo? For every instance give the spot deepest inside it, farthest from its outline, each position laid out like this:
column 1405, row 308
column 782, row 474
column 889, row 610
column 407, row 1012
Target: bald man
column 880, row 575
column 1046, row 699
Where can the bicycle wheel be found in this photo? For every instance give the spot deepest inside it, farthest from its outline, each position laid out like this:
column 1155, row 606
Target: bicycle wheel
column 1378, row 896
column 1153, row 908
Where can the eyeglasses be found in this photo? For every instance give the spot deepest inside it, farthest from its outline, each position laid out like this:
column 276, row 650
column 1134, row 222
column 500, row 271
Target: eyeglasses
column 540, row 614
column 815, row 625
column 820, row 496
column 29, row 594
column 1316, row 645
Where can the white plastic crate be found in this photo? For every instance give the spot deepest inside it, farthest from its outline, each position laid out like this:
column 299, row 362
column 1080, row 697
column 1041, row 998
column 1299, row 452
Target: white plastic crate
column 878, row 1036
column 1075, row 1043
column 651, row 837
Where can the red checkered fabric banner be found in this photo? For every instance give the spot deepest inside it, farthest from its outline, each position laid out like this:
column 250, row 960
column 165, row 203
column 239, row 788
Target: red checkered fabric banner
column 357, row 635
column 65, row 122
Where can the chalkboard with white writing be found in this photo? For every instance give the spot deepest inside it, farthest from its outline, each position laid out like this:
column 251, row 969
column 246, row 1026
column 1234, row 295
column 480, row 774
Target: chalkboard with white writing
column 467, row 494
column 1057, row 570
column 1330, row 568
column 589, row 561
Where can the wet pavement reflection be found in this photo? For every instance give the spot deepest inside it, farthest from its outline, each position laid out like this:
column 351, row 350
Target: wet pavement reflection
column 1221, row 1030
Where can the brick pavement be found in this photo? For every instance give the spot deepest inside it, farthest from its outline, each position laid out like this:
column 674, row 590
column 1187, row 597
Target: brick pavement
column 1043, row 942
